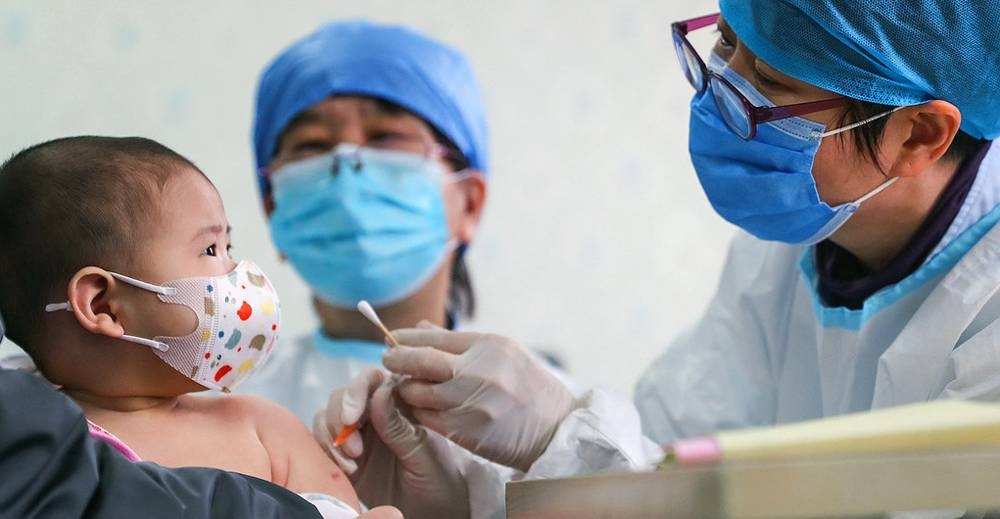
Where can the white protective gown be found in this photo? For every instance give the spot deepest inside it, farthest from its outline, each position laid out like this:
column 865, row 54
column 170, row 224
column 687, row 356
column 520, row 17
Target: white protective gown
column 301, row 372
column 767, row 351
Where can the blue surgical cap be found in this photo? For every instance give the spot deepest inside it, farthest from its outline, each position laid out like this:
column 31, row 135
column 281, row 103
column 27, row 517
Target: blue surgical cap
column 893, row 52
column 389, row 62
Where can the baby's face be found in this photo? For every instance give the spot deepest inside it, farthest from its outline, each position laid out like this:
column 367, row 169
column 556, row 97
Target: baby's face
column 189, row 238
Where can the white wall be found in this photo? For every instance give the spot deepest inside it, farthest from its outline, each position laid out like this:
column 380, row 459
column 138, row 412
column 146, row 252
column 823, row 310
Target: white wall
column 597, row 243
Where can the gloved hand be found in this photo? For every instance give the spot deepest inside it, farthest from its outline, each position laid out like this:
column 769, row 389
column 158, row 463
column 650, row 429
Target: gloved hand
column 484, row 392
column 394, row 461
column 347, row 406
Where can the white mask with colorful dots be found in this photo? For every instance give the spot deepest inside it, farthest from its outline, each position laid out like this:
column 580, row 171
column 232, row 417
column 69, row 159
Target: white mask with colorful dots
column 238, row 318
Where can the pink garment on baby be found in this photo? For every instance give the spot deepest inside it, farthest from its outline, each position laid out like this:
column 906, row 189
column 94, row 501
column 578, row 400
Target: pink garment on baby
column 103, row 434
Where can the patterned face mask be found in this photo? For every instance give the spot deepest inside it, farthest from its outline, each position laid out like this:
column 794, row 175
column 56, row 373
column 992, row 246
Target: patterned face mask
column 238, row 318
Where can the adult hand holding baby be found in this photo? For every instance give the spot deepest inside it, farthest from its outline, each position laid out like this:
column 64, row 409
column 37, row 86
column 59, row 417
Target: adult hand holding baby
column 389, row 459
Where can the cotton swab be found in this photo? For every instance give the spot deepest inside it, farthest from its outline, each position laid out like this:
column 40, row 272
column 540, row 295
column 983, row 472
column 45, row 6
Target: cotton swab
column 369, row 313
column 366, row 310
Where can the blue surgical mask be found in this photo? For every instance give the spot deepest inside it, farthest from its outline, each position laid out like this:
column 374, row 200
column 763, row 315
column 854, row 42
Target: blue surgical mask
column 765, row 186
column 362, row 224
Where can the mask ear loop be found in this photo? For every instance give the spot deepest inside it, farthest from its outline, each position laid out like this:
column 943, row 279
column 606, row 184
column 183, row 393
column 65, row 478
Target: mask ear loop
column 887, row 183
column 876, row 191
column 166, row 291
column 454, row 178
column 459, row 176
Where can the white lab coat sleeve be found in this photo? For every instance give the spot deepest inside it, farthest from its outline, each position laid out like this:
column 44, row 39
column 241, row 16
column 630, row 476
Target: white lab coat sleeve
column 721, row 373
column 972, row 372
column 973, row 368
column 602, row 433
column 486, row 482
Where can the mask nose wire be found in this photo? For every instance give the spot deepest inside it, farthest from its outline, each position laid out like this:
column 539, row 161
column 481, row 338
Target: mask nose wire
column 353, row 155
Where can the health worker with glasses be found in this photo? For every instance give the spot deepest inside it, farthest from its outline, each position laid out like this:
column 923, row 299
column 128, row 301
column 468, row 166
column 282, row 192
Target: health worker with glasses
column 852, row 144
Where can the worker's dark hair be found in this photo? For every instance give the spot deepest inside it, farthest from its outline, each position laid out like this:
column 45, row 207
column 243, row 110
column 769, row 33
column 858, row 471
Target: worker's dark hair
column 69, row 203
column 868, row 137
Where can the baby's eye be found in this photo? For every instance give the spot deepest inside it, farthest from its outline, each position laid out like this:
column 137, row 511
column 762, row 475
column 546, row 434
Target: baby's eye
column 209, row 251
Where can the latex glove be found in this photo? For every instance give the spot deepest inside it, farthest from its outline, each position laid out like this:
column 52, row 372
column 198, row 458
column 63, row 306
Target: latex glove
column 396, row 462
column 483, row 391
column 346, row 406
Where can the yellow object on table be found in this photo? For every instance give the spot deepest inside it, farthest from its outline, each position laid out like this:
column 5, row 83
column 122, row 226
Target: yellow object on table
column 924, row 427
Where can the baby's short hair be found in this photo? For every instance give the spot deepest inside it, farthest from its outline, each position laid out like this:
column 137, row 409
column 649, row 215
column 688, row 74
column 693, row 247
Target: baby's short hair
column 69, row 203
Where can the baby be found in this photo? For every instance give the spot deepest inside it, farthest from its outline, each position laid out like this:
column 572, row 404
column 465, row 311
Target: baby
column 116, row 278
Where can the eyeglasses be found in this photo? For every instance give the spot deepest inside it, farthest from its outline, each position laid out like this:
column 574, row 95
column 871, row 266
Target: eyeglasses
column 414, row 145
column 739, row 114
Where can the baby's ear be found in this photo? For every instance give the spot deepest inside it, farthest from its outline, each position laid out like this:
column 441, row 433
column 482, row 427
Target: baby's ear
column 92, row 301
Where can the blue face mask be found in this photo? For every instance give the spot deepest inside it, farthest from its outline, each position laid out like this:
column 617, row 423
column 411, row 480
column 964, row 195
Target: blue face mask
column 359, row 223
column 765, row 186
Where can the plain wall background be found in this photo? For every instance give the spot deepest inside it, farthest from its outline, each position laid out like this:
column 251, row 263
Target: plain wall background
column 597, row 242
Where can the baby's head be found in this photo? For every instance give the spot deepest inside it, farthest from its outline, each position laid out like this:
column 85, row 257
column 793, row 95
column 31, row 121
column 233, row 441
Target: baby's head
column 80, row 216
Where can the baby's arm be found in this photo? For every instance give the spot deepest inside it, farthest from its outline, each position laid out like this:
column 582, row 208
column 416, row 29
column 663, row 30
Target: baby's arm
column 298, row 463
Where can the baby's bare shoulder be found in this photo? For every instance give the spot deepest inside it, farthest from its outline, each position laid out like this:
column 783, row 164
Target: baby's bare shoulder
column 249, row 404
column 264, row 414
column 297, row 461
column 268, row 415
column 273, row 424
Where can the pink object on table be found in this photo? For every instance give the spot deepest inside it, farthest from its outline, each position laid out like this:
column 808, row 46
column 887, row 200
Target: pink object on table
column 103, row 434
column 697, row 450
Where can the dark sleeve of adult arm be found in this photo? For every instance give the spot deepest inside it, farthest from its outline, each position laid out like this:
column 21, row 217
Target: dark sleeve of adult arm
column 51, row 467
